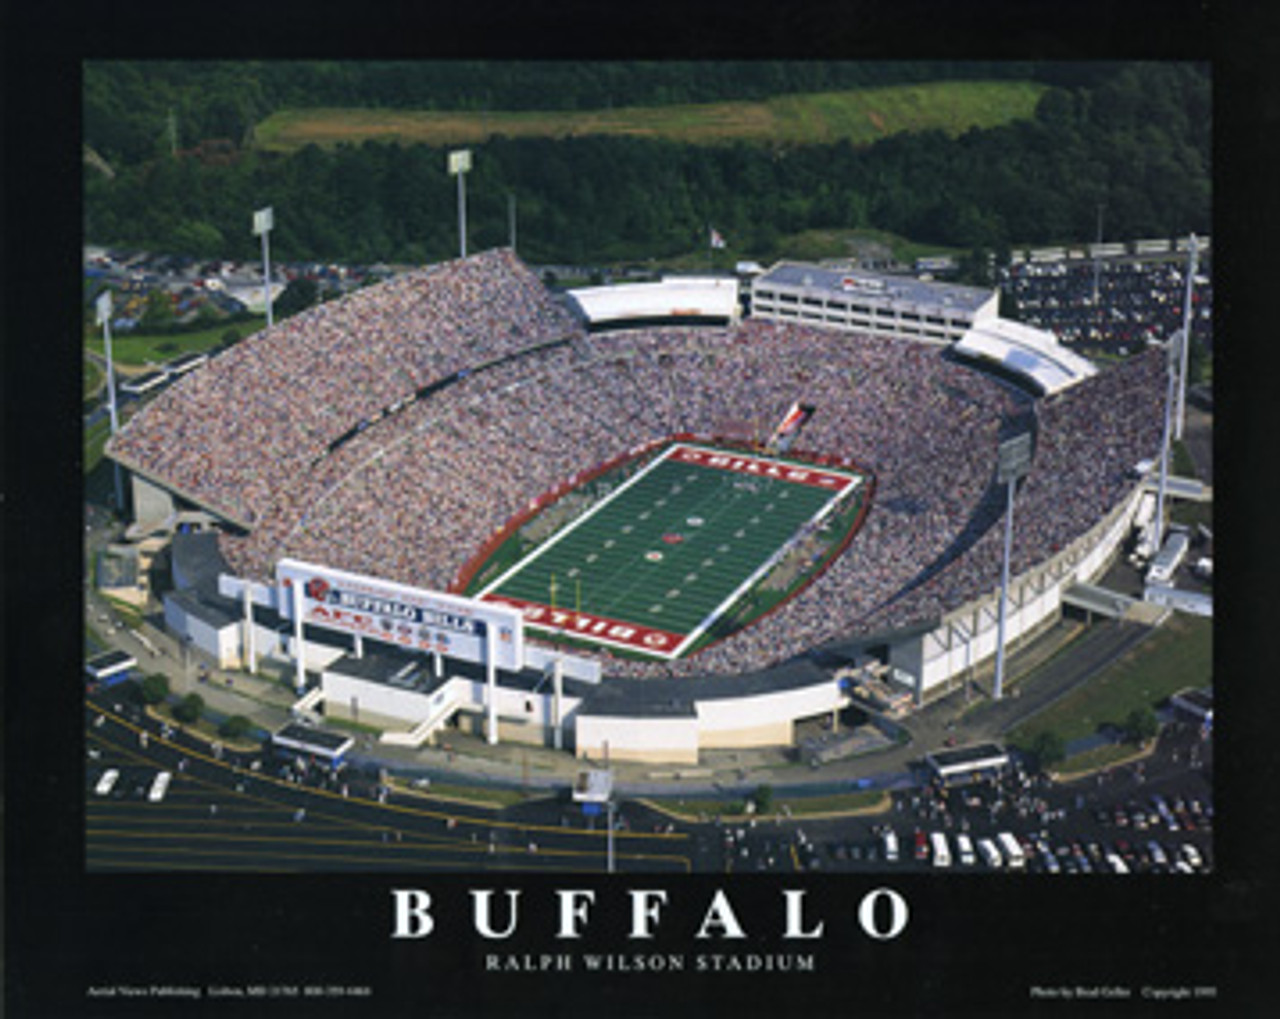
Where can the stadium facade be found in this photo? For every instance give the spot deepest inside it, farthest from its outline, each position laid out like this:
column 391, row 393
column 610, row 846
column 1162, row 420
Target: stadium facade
column 390, row 435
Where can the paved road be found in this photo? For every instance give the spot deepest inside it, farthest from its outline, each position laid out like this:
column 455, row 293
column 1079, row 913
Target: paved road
column 238, row 811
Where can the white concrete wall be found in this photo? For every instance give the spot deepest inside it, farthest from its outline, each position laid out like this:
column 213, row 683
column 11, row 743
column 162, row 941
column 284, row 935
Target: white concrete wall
column 765, row 719
column 638, row 739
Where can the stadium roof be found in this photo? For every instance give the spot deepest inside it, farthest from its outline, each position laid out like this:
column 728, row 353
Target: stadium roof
column 1034, row 354
column 675, row 297
column 872, row 286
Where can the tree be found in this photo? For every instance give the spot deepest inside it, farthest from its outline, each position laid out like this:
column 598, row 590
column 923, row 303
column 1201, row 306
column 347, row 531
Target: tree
column 1141, row 725
column 189, row 709
column 158, row 314
column 155, row 688
column 1048, row 748
column 234, row 727
column 764, row 798
column 299, row 295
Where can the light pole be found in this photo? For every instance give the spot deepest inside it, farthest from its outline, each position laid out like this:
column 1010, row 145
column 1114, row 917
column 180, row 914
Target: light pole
column 459, row 164
column 104, row 320
column 263, row 221
column 1014, row 460
column 1180, row 420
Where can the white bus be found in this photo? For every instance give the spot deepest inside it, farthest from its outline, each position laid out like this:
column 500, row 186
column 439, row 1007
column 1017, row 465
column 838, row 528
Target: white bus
column 890, row 846
column 990, row 854
column 1012, row 850
column 1169, row 558
column 941, row 854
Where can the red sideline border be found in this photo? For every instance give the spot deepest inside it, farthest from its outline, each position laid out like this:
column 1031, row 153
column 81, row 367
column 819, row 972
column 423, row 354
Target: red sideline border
column 473, row 565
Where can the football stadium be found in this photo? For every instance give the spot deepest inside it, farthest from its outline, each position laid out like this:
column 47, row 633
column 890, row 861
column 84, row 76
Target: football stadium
column 642, row 521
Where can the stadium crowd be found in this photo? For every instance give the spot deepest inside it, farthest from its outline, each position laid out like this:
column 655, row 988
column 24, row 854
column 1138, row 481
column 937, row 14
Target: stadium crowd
column 415, row 494
column 232, row 436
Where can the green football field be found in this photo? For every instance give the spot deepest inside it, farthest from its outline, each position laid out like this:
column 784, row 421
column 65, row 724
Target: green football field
column 655, row 563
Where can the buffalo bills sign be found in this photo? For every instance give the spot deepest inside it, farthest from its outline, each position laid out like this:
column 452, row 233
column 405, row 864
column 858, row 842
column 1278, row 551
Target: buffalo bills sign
column 406, row 617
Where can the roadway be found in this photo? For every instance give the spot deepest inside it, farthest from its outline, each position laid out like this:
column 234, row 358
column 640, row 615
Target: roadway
column 236, row 810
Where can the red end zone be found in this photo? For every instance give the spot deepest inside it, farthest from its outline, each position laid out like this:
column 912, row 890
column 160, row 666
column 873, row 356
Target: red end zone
column 744, row 463
column 597, row 628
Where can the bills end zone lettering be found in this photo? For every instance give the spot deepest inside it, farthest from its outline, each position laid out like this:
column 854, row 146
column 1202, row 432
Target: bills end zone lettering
column 598, row 628
column 761, row 468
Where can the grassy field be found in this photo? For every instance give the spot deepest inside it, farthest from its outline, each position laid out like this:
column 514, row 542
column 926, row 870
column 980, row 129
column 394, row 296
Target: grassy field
column 871, row 802
column 139, row 350
column 94, row 439
column 860, row 116
column 666, row 551
column 94, row 377
column 1180, row 655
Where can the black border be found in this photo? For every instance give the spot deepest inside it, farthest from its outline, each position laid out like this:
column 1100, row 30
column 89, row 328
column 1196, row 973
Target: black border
column 973, row 945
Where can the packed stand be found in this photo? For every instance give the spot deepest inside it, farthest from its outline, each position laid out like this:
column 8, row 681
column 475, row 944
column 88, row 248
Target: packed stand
column 246, row 427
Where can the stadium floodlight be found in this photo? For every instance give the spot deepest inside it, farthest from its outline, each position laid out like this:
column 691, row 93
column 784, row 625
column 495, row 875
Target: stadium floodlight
column 1175, row 343
column 1180, row 418
column 103, row 309
column 459, row 164
column 263, row 221
column 1013, row 462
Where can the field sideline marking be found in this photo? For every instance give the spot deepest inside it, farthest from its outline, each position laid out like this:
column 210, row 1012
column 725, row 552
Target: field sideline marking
column 565, row 532
column 853, row 480
column 822, row 513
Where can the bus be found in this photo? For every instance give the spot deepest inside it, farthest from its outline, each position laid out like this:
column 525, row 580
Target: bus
column 1012, row 850
column 890, row 846
column 1169, row 558
column 941, row 854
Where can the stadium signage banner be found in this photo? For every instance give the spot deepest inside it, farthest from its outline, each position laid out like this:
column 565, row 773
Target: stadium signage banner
column 600, row 629
column 411, row 618
column 760, row 467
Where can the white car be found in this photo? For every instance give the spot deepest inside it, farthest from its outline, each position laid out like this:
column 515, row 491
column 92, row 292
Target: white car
column 159, row 787
column 1192, row 855
column 964, row 846
column 107, row 782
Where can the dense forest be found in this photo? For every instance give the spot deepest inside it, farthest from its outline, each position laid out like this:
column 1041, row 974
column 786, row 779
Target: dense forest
column 1135, row 137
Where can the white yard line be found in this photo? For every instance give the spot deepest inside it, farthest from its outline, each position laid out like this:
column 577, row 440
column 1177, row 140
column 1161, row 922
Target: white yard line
column 574, row 526
column 760, row 571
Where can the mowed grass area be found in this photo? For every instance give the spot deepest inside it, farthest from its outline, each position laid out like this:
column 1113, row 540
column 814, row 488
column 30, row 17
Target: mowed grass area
column 135, row 352
column 94, row 378
column 669, row 550
column 1178, row 656
column 859, row 116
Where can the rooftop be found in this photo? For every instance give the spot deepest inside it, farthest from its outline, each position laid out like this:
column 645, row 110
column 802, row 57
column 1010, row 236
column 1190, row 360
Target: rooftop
column 817, row 279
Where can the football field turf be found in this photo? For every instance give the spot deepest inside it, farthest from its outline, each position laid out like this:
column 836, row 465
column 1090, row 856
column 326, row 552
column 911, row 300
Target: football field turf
column 656, row 562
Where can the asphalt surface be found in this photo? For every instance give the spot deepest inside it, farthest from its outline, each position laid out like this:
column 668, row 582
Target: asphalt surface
column 227, row 810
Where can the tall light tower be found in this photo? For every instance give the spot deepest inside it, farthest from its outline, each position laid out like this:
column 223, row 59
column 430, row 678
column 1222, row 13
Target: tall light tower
column 263, row 221
column 103, row 307
column 1180, row 419
column 459, row 164
column 1014, row 461
column 511, row 218
column 1172, row 351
